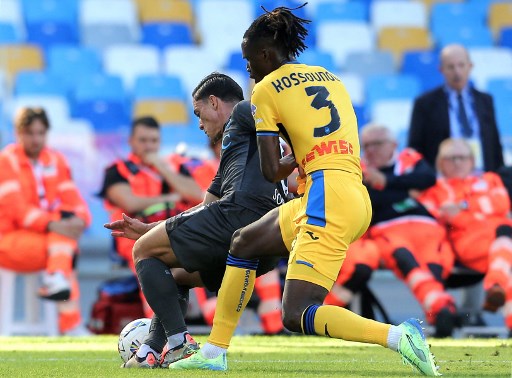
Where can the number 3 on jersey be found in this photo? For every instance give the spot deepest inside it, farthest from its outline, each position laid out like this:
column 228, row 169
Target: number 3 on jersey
column 321, row 101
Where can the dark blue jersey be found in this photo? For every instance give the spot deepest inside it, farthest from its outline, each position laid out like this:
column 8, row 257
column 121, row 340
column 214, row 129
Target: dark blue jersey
column 239, row 178
column 394, row 201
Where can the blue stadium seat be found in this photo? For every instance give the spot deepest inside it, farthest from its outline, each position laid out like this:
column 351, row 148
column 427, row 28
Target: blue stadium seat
column 189, row 134
column 106, row 116
column 425, row 65
column 337, row 10
column 387, row 87
column 38, row 83
column 37, row 11
column 235, row 62
column 481, row 7
column 8, row 34
column 505, row 38
column 50, row 33
column 455, row 14
column 368, row 63
column 500, row 89
column 466, row 35
column 158, row 87
column 315, row 57
column 163, row 34
column 100, row 87
column 504, row 117
column 361, row 114
column 71, row 63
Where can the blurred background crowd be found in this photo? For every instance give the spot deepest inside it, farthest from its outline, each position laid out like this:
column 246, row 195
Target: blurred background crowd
column 110, row 81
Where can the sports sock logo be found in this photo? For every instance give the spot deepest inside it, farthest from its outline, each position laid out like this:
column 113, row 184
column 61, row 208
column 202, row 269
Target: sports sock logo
column 244, row 290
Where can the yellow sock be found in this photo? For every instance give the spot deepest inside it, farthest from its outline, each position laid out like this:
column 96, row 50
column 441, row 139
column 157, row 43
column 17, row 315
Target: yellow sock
column 340, row 323
column 234, row 294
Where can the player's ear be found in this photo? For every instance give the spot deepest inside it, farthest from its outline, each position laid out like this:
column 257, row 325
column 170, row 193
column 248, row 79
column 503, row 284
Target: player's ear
column 214, row 101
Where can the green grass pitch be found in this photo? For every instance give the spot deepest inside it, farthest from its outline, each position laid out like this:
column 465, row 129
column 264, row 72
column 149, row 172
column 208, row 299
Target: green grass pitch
column 255, row 356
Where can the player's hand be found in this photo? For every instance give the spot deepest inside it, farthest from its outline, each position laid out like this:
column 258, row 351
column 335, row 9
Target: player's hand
column 127, row 227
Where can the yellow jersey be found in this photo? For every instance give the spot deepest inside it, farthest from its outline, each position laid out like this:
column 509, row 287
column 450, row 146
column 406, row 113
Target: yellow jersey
column 310, row 108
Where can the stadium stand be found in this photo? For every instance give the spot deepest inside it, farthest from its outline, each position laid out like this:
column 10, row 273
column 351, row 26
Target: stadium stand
column 368, row 63
column 93, row 69
column 144, row 59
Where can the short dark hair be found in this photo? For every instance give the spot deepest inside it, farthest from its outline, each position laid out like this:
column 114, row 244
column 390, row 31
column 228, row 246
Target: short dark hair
column 282, row 28
column 147, row 121
column 219, row 85
column 25, row 116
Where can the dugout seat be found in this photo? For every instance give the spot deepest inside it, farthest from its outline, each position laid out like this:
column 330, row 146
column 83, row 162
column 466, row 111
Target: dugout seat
column 34, row 321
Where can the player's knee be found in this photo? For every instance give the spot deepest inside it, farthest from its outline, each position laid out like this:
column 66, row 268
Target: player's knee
column 138, row 251
column 240, row 246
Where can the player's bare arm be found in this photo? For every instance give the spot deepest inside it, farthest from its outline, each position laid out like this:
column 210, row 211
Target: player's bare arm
column 273, row 167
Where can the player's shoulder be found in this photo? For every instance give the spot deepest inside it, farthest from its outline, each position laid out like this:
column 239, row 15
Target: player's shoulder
column 242, row 115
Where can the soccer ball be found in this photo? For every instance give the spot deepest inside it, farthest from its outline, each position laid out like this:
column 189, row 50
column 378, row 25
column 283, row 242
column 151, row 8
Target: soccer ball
column 131, row 337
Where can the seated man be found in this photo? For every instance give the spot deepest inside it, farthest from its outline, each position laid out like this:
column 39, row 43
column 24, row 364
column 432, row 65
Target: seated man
column 474, row 209
column 150, row 187
column 43, row 215
column 409, row 240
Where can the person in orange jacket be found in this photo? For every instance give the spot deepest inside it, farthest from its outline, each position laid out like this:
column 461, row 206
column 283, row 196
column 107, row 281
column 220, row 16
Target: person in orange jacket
column 43, row 215
column 475, row 210
column 151, row 187
column 407, row 237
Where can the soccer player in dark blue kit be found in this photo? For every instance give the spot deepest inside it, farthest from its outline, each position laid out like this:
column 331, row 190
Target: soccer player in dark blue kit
column 197, row 241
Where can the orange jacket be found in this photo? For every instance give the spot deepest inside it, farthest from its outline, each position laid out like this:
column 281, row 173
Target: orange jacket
column 202, row 171
column 20, row 205
column 143, row 181
column 482, row 198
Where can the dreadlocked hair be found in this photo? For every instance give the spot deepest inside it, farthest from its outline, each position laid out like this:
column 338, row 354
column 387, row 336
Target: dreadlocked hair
column 281, row 26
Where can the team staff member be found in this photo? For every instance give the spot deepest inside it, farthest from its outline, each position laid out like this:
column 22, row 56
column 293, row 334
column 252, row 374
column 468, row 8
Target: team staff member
column 43, row 215
column 475, row 210
column 409, row 239
column 457, row 110
column 149, row 187
column 311, row 108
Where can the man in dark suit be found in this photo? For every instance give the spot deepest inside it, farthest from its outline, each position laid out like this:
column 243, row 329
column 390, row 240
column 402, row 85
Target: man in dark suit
column 456, row 110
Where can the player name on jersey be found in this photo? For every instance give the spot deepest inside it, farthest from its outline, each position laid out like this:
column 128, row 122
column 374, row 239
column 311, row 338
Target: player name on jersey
column 296, row 78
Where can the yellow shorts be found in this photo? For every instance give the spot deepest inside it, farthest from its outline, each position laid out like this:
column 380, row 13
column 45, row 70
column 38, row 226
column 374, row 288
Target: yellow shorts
column 318, row 227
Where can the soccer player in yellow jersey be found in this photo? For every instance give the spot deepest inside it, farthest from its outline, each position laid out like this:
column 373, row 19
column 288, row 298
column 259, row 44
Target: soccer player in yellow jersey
column 311, row 109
